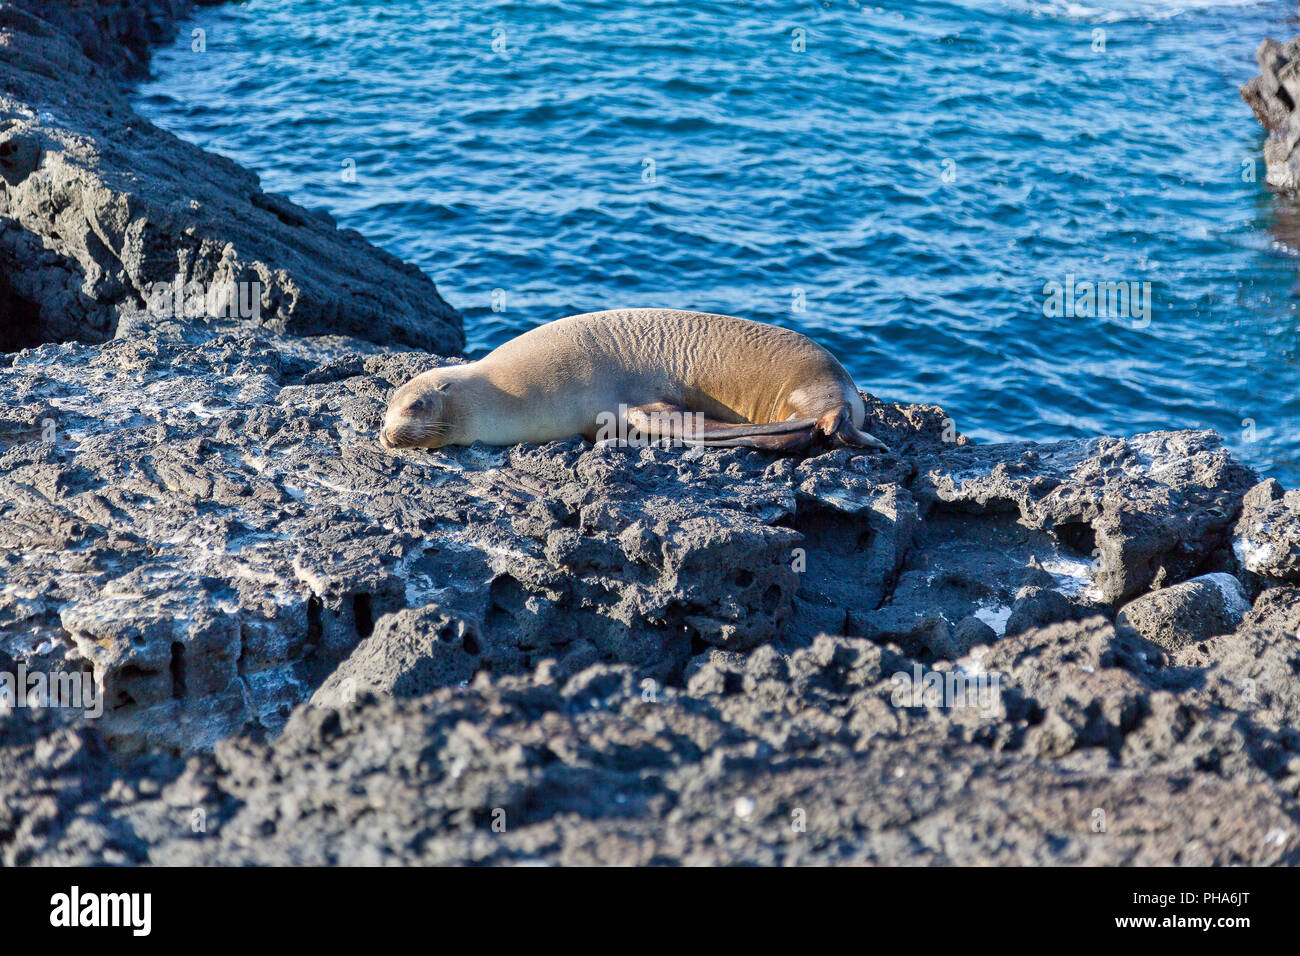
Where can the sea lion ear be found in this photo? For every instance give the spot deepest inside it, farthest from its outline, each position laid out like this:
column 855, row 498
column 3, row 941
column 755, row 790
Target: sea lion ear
column 442, row 386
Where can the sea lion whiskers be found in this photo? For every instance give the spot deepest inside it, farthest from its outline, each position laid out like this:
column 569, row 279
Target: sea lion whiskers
column 415, row 434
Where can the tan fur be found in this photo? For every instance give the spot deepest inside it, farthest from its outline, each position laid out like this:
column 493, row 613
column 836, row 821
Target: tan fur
column 553, row 381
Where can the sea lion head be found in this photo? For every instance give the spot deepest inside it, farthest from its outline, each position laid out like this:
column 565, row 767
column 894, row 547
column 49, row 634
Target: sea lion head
column 419, row 414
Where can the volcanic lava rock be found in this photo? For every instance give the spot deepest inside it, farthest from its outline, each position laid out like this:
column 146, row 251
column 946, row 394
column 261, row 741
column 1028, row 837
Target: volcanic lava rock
column 204, row 519
column 1276, row 609
column 1267, row 536
column 1273, row 96
column 1186, row 613
column 410, row 653
column 1091, row 748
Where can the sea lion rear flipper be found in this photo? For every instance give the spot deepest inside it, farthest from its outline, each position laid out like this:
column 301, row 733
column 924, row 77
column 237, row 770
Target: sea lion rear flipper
column 666, row 420
column 838, row 425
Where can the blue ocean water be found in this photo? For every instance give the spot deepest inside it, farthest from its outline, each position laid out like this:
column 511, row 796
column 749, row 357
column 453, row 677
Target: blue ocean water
column 910, row 183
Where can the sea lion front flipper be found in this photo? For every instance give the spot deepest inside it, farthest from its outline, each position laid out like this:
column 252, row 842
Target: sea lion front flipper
column 666, row 420
column 838, row 425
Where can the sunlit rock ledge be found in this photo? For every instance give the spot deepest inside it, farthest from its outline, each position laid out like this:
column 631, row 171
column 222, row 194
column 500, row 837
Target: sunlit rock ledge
column 203, row 519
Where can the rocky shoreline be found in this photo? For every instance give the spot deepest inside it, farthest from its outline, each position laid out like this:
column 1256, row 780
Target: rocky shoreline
column 315, row 651
column 101, row 209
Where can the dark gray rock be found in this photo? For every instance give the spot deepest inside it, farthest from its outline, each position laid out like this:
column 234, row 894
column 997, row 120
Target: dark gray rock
column 1252, row 671
column 1038, row 607
column 1273, row 96
column 101, row 212
column 925, row 636
column 1277, row 609
column 1186, row 613
column 971, row 632
column 1266, row 540
column 116, row 34
column 1147, row 510
column 1092, row 749
column 205, row 519
column 410, row 653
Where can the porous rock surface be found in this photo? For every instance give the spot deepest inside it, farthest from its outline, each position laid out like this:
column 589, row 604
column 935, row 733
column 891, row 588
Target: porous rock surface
column 1274, row 96
column 617, row 654
column 206, row 520
column 1186, row 613
column 1267, row 537
column 1097, row 750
